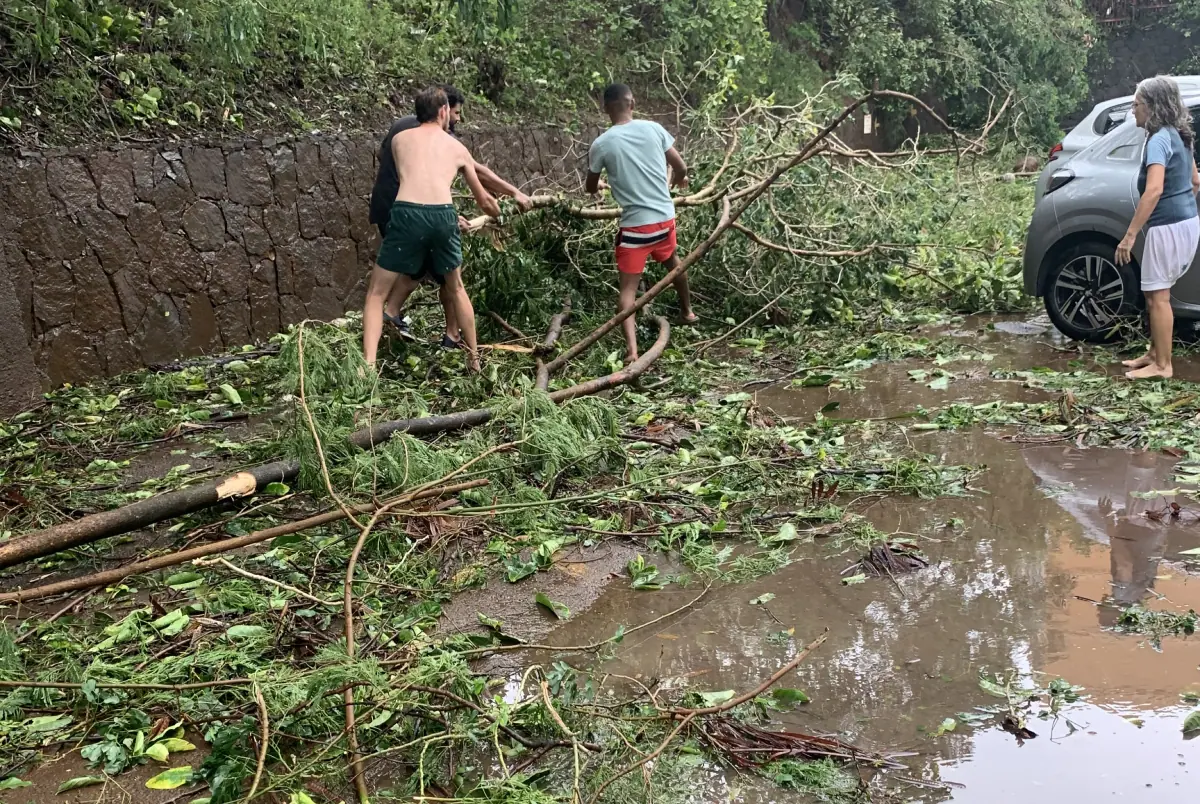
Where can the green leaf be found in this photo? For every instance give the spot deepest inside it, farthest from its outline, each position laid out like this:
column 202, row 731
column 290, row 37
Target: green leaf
column 300, row 797
column 762, row 599
column 515, row 569
column 1192, row 723
column 789, row 697
column 715, row 698
column 1195, row 551
column 182, row 581
column 940, row 383
column 787, row 533
column 231, row 394
column 992, row 688
column 948, row 724
column 277, row 489
column 158, row 752
column 177, row 745
column 171, row 623
column 239, row 633
column 490, row 622
column 854, row 579
column 78, row 782
column 171, row 779
column 48, row 723
column 559, row 610
column 13, row 783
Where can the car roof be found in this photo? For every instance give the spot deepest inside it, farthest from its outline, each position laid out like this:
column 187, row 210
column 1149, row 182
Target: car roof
column 1188, row 84
column 1191, row 98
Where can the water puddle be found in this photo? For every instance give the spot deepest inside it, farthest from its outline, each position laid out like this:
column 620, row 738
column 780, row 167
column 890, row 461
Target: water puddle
column 1025, row 577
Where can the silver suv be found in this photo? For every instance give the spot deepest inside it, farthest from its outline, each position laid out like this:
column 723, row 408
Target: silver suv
column 1084, row 205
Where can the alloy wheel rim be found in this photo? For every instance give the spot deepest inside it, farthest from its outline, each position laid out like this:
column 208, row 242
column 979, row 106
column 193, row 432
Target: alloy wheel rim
column 1089, row 293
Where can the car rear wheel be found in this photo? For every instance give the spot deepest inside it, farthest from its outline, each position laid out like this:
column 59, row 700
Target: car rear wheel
column 1088, row 296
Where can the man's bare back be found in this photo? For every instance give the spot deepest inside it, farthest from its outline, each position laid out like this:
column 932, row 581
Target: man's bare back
column 427, row 162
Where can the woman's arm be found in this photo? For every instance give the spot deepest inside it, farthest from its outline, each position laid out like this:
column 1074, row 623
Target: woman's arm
column 1145, row 208
column 1195, row 179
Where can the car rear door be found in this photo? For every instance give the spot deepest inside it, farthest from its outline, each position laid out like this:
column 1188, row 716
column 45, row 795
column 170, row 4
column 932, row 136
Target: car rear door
column 1187, row 289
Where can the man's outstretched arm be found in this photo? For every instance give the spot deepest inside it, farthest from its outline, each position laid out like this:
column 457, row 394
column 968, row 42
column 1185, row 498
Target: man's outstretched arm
column 482, row 197
column 494, row 184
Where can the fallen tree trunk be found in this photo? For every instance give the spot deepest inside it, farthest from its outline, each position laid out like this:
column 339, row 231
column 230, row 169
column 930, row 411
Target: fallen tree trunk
column 428, row 425
column 128, row 518
column 171, row 559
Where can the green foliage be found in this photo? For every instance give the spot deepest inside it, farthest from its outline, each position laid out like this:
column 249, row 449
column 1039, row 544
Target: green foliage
column 964, row 53
column 234, row 63
column 821, row 778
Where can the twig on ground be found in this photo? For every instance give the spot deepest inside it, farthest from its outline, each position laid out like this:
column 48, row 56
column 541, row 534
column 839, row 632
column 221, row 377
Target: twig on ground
column 204, row 562
column 264, row 736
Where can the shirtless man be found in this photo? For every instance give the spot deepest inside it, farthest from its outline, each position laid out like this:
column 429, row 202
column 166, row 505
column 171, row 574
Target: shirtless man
column 635, row 154
column 422, row 234
column 384, row 193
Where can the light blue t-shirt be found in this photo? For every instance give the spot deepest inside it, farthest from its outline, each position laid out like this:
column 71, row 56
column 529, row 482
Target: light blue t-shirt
column 1178, row 201
column 634, row 156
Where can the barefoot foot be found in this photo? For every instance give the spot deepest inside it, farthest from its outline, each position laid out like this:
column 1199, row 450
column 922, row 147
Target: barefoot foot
column 688, row 318
column 1150, row 372
column 630, row 357
column 1139, row 362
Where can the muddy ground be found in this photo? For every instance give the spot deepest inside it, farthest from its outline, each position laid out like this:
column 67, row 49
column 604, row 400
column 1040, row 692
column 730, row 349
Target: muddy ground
column 1026, row 575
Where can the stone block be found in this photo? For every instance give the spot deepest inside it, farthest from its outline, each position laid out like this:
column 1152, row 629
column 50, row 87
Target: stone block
column 247, row 178
column 113, row 171
column 70, row 356
column 206, row 168
column 205, row 225
column 71, row 183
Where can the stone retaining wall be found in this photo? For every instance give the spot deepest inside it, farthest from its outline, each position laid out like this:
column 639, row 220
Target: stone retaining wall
column 112, row 258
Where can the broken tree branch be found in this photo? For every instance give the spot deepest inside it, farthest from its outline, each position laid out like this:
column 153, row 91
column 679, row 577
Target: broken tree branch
column 94, row 527
column 507, row 327
column 429, row 425
column 171, row 559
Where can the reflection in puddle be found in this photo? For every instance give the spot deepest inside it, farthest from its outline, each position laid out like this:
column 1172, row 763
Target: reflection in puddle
column 1015, row 587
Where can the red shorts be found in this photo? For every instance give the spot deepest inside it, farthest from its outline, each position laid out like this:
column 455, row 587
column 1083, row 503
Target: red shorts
column 636, row 243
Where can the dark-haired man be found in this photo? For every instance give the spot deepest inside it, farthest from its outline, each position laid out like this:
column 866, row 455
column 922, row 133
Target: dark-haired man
column 635, row 154
column 422, row 238
column 384, row 193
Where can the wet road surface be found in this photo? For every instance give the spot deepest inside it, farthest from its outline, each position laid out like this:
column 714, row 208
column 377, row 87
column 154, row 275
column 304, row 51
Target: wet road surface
column 1026, row 581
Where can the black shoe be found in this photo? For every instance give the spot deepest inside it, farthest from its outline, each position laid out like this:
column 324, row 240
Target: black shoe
column 449, row 343
column 402, row 324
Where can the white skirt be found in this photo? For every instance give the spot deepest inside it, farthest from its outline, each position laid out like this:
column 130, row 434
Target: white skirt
column 1169, row 252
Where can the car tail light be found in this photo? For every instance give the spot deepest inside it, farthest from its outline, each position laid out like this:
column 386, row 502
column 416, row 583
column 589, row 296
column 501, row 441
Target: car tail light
column 1058, row 178
column 1055, row 151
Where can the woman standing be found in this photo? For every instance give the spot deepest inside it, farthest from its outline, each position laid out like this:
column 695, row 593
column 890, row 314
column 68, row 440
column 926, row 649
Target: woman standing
column 1168, row 184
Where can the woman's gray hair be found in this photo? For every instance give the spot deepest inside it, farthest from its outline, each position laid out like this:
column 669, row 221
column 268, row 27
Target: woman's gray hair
column 1165, row 105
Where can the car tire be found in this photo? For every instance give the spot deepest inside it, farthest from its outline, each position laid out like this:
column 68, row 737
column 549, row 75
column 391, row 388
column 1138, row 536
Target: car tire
column 1088, row 296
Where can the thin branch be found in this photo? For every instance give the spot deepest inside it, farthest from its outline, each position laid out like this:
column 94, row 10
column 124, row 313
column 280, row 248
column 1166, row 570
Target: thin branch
column 264, row 736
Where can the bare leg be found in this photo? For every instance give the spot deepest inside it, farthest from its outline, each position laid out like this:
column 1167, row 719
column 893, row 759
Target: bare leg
column 396, row 299
column 380, row 285
column 465, row 315
column 446, row 296
column 683, row 291
column 628, row 293
column 1162, row 329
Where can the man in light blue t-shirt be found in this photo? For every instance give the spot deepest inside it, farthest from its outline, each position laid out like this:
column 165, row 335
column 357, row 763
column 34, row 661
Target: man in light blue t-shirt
column 635, row 154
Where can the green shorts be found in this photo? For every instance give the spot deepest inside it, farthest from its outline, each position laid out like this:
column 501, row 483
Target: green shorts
column 422, row 240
